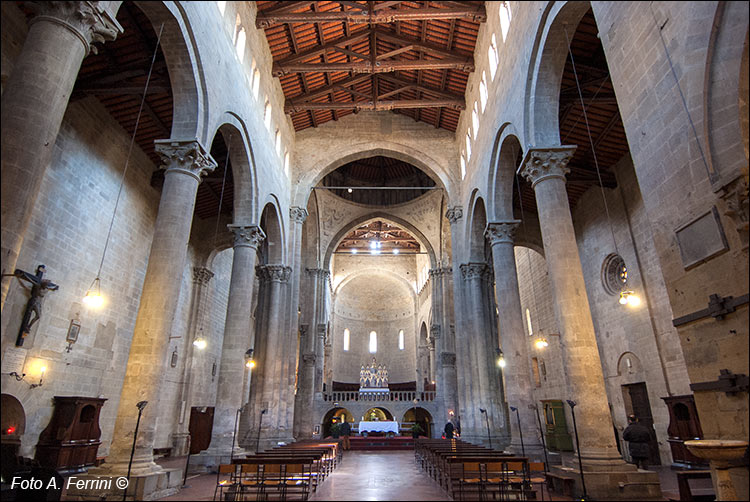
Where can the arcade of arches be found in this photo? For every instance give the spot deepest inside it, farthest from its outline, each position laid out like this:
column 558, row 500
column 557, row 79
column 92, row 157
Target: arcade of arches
column 305, row 212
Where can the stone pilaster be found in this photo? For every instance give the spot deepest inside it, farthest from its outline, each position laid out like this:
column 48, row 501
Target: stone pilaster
column 237, row 340
column 185, row 162
column 545, row 169
column 518, row 391
column 292, row 358
column 34, row 100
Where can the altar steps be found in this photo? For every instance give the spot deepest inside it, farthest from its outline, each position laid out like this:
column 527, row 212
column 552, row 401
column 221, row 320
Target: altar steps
column 381, row 443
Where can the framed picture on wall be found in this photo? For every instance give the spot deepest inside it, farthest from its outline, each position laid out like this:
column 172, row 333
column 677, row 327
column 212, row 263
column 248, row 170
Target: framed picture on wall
column 73, row 330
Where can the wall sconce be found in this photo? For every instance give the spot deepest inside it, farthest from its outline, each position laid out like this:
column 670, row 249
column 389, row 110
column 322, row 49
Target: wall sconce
column 200, row 343
column 629, row 298
column 500, row 358
column 249, row 361
column 213, row 371
column 42, row 370
column 173, row 359
column 541, row 343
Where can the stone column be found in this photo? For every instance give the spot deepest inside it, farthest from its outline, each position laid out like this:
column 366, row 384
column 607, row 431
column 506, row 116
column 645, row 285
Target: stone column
column 293, row 358
column 274, row 389
column 201, row 278
column 34, row 101
column 319, row 324
column 185, row 163
column 444, row 357
column 237, row 331
column 546, row 169
column 518, row 390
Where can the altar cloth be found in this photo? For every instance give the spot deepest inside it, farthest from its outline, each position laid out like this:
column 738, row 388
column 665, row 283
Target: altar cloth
column 367, row 426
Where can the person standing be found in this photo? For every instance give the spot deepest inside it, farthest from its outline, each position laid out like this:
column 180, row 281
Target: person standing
column 346, row 430
column 448, row 430
column 638, row 436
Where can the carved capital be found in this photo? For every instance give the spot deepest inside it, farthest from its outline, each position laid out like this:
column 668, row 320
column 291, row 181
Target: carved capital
column 540, row 164
column 448, row 358
column 735, row 198
column 298, row 214
column 501, row 231
column 434, row 331
column 247, row 235
column 201, row 275
column 454, row 214
column 88, row 21
column 184, row 156
column 273, row 273
column 439, row 272
column 319, row 273
column 470, row 271
column 308, row 359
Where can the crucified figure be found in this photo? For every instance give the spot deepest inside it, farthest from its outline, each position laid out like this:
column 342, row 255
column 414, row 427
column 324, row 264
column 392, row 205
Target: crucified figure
column 39, row 287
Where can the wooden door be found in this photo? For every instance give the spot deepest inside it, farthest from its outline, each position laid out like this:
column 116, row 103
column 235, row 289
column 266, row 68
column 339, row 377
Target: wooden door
column 642, row 410
column 200, row 428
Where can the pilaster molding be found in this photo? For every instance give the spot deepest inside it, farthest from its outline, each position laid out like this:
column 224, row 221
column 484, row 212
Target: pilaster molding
column 247, row 235
column 86, row 20
column 273, row 273
column 439, row 272
column 447, row 358
column 202, row 275
column 298, row 214
column 454, row 214
column 185, row 156
column 540, row 164
column 501, row 232
column 471, row 271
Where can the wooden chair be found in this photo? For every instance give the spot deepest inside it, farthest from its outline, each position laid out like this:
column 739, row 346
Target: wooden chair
column 470, row 482
column 249, row 479
column 538, row 467
column 226, row 478
column 517, row 479
column 296, row 481
column 270, row 481
column 495, row 481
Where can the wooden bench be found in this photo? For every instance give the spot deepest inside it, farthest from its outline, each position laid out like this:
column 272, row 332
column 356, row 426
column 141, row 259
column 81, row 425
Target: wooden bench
column 560, row 484
column 683, row 484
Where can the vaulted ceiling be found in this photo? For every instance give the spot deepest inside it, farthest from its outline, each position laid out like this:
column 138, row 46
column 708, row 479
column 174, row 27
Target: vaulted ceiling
column 338, row 57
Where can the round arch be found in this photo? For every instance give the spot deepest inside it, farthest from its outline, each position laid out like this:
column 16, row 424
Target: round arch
column 272, row 248
column 330, row 415
column 423, row 419
column 338, row 287
column 548, row 65
column 357, row 222
column 350, row 153
column 380, row 412
column 503, row 172
column 475, row 228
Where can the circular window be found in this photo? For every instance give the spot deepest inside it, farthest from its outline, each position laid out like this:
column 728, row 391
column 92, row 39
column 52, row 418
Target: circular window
column 614, row 274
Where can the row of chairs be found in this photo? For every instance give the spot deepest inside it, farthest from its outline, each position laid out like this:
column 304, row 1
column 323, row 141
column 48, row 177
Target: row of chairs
column 264, row 481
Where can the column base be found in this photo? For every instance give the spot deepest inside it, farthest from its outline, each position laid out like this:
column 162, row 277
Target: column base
column 180, row 444
column 534, row 451
column 209, row 460
column 627, row 483
column 151, row 486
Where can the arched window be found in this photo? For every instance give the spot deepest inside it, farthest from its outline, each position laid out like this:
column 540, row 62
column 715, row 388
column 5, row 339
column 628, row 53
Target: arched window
column 483, row 91
column 346, row 339
column 221, row 6
column 468, row 144
column 373, row 342
column 286, row 163
column 401, row 339
column 505, row 18
column 267, row 115
column 463, row 166
column 528, row 322
column 475, row 120
column 494, row 57
column 256, row 83
column 240, row 47
column 278, row 142
column 237, row 27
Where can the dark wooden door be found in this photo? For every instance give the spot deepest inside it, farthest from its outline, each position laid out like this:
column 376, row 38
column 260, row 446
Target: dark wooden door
column 200, row 428
column 642, row 410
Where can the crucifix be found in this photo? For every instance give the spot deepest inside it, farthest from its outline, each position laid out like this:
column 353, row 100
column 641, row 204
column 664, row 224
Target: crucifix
column 39, row 287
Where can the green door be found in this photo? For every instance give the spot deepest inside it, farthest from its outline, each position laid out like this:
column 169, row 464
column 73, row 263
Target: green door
column 556, row 435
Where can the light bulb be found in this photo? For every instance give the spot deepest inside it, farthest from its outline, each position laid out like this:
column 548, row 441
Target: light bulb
column 349, row 190
column 354, row 251
column 395, row 251
column 200, row 343
column 540, row 343
column 501, row 362
column 250, row 364
column 623, row 298
column 634, row 300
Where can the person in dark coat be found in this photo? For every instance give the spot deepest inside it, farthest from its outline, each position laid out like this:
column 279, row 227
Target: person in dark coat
column 638, row 436
column 448, row 430
column 345, row 431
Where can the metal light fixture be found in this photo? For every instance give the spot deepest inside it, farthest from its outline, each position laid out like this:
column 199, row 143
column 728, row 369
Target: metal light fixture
column 500, row 358
column 42, row 370
column 94, row 296
column 541, row 343
column 200, row 343
column 629, row 298
column 249, row 361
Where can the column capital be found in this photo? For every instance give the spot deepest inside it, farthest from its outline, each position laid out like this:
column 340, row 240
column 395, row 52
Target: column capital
column 273, row 273
column 201, row 275
column 185, row 156
column 434, row 331
column 298, row 214
column 308, row 359
column 454, row 214
column 501, row 231
column 247, row 235
column 319, row 272
column 540, row 164
column 437, row 272
column 89, row 21
column 471, row 271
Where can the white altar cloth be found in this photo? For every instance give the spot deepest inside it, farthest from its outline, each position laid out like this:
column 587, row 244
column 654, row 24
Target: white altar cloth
column 367, row 426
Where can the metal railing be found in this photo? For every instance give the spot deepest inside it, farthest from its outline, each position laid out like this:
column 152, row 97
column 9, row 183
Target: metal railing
column 392, row 396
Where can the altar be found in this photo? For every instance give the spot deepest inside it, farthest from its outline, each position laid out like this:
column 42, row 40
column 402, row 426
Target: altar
column 367, row 426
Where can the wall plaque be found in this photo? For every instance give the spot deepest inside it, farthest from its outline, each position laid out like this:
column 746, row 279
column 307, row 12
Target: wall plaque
column 14, row 360
column 701, row 239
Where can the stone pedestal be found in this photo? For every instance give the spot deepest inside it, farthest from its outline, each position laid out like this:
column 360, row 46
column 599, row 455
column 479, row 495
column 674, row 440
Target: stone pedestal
column 185, row 162
column 722, row 455
column 33, row 104
column 513, row 339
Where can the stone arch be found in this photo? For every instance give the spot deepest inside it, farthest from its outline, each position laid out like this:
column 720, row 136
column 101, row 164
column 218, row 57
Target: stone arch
column 744, row 96
column 337, row 288
column 546, row 71
column 419, row 159
column 628, row 364
column 475, row 227
column 502, row 172
column 244, row 171
column 13, row 417
column 190, row 107
column 327, row 418
column 726, row 150
column 375, row 216
column 272, row 249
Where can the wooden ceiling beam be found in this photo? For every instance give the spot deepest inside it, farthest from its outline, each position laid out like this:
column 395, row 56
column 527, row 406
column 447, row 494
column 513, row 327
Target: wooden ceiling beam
column 318, row 93
column 323, row 48
column 423, row 88
column 266, row 19
column 379, row 105
column 462, row 64
column 418, row 44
